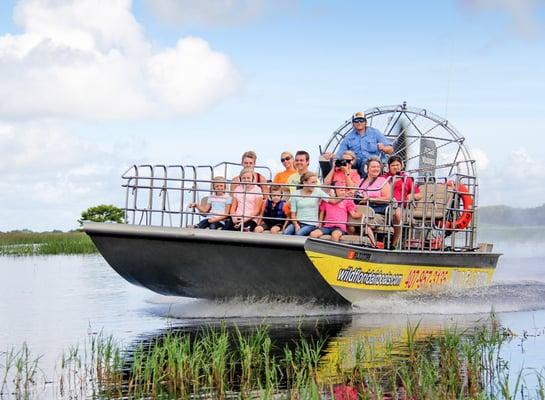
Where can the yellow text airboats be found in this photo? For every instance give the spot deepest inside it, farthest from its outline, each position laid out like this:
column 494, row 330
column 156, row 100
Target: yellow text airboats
column 159, row 248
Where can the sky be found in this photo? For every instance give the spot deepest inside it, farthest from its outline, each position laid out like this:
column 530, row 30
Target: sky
column 90, row 87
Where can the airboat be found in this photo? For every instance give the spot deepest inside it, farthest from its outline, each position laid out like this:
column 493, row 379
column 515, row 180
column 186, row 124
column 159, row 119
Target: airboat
column 159, row 247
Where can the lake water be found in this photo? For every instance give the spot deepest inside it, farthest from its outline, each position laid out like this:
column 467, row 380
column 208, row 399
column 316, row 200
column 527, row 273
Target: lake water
column 51, row 303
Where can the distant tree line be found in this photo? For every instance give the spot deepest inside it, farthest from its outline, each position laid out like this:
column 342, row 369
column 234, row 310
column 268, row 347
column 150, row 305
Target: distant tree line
column 505, row 215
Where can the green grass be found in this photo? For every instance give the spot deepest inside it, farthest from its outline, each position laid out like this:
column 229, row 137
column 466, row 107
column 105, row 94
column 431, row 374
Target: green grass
column 23, row 243
column 220, row 363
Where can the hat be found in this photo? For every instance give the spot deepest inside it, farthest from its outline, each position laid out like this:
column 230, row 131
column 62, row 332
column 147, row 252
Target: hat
column 359, row 115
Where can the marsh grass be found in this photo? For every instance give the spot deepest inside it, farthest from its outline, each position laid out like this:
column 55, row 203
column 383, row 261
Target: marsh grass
column 222, row 363
column 20, row 373
column 23, row 243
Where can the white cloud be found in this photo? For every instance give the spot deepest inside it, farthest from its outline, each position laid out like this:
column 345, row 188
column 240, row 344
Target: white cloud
column 50, row 175
column 191, row 75
column 523, row 13
column 90, row 59
column 515, row 180
column 481, row 158
column 212, row 12
column 97, row 25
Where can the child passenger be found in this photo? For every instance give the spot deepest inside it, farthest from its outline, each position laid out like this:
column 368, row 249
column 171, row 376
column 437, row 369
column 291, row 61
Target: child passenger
column 247, row 203
column 334, row 216
column 274, row 217
column 305, row 206
column 217, row 206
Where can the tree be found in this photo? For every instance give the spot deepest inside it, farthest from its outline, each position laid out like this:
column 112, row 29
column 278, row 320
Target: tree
column 102, row 213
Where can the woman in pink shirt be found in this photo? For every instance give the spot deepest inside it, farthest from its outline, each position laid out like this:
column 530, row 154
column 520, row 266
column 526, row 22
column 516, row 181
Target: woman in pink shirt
column 375, row 191
column 344, row 174
column 375, row 188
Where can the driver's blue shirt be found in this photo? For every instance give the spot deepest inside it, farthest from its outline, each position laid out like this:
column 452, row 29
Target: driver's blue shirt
column 364, row 146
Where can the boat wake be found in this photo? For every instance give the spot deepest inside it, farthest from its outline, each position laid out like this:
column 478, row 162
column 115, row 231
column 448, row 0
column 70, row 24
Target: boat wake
column 174, row 307
column 500, row 297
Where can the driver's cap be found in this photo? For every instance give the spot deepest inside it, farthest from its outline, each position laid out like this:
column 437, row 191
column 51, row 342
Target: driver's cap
column 360, row 116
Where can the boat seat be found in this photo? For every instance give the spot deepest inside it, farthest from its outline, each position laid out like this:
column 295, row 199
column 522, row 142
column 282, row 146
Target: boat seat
column 436, row 198
column 355, row 239
column 350, row 239
column 422, row 219
column 369, row 217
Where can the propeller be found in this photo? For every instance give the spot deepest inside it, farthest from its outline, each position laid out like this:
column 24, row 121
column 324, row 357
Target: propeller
column 399, row 131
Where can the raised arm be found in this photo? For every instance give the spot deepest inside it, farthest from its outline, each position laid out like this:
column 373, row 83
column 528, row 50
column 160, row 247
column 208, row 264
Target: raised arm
column 329, row 177
column 202, row 208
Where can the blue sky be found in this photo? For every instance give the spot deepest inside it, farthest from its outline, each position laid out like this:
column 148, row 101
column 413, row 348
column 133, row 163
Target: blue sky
column 91, row 87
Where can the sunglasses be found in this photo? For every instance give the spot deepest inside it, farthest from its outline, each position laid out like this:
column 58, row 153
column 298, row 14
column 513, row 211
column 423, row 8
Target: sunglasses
column 360, row 120
column 285, row 159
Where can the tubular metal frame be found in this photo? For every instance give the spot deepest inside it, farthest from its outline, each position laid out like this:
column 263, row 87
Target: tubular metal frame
column 166, row 191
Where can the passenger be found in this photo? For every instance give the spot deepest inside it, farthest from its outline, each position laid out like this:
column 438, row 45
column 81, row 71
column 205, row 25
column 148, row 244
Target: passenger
column 365, row 141
column 305, row 206
column 274, row 217
column 247, row 203
column 217, row 206
column 286, row 158
column 344, row 173
column 404, row 190
column 334, row 217
column 375, row 190
column 249, row 159
column 302, row 161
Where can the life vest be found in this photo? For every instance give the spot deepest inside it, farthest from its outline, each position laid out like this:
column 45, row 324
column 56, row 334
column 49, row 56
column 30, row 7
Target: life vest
column 272, row 211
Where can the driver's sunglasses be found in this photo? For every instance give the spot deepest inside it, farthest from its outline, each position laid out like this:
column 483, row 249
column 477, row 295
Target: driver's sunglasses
column 360, row 120
column 285, row 159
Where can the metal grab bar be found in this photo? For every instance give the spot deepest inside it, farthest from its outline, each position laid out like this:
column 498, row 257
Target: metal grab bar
column 420, row 222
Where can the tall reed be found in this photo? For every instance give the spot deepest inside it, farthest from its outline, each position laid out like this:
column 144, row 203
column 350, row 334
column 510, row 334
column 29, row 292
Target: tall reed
column 21, row 243
column 20, row 372
column 222, row 363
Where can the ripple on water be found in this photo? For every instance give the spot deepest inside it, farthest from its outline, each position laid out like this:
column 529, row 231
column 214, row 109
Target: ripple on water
column 500, row 297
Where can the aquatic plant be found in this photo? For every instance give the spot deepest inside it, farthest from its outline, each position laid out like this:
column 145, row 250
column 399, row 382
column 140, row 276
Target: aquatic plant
column 19, row 372
column 222, row 362
column 24, row 243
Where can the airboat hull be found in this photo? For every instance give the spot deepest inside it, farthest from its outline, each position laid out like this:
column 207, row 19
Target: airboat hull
column 359, row 273
column 224, row 265
column 212, row 264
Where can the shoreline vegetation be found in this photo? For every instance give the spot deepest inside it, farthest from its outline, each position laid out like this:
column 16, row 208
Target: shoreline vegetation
column 512, row 216
column 227, row 363
column 27, row 243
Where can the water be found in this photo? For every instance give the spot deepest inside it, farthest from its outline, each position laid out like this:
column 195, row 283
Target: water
column 51, row 303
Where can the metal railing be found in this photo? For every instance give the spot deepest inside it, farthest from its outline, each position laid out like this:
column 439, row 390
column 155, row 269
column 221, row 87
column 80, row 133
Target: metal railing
column 159, row 195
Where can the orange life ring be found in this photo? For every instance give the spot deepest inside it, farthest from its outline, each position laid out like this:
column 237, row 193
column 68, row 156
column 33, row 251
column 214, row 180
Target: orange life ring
column 465, row 218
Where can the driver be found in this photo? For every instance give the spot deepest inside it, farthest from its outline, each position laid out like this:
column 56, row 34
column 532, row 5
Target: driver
column 365, row 141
